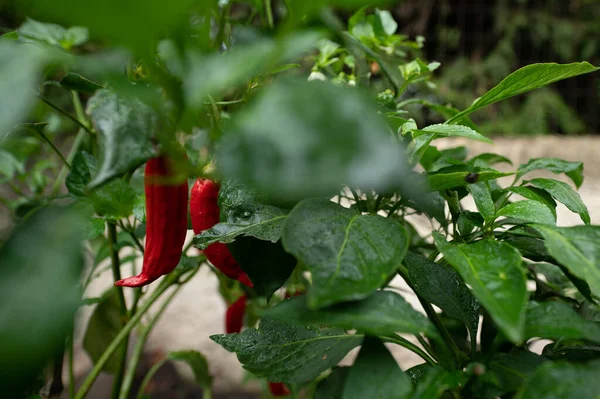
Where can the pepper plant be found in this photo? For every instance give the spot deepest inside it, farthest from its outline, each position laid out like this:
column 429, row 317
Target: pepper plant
column 305, row 113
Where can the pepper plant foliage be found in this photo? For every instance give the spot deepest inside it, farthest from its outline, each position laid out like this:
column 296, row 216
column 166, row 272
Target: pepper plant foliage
column 303, row 118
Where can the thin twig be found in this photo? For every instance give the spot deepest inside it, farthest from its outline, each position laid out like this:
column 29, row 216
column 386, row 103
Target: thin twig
column 68, row 115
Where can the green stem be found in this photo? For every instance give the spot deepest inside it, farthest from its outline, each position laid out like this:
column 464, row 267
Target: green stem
column 138, row 351
column 221, row 29
column 63, row 172
column 396, row 339
column 124, row 333
column 148, row 377
column 116, row 270
column 269, row 10
column 68, row 115
column 51, row 144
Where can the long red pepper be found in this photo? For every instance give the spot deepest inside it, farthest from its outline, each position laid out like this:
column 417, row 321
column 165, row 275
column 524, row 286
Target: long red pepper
column 204, row 212
column 166, row 222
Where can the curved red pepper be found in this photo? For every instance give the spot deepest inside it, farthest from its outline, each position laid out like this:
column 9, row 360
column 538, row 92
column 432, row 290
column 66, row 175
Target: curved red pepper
column 166, row 222
column 234, row 317
column 204, row 212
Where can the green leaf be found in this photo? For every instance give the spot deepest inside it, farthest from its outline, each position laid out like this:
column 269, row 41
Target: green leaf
column 572, row 169
column 494, row 272
column 417, row 373
column 41, row 263
column 74, row 81
column 562, row 380
column 137, row 24
column 197, row 362
column 513, row 369
column 307, row 351
column 557, row 320
column 139, row 208
column 536, row 194
column 437, row 381
column 113, row 201
column 332, row 387
column 483, row 199
column 383, row 313
column 102, row 328
column 242, row 214
column 452, row 177
column 341, row 134
column 375, row 374
column 348, row 254
column 212, row 74
column 564, row 194
column 9, row 165
column 266, row 263
column 526, row 79
column 53, row 34
column 94, row 227
column 576, row 248
column 487, row 159
column 19, row 69
column 443, row 130
column 443, row 287
column 126, row 129
column 529, row 211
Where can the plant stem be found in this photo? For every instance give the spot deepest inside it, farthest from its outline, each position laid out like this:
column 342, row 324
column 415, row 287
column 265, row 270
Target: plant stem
column 70, row 366
column 116, row 270
column 148, row 378
column 68, row 115
column 124, row 333
column 269, row 10
column 51, row 144
column 138, row 351
column 396, row 339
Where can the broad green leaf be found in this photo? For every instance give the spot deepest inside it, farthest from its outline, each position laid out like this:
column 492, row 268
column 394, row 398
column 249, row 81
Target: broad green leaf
column 198, row 364
column 443, row 130
column 576, row 248
column 511, row 370
column 126, row 129
column 332, row 387
column 139, row 208
column 460, row 176
column 483, row 199
column 383, row 313
column 266, row 263
column 443, row 287
column 348, row 254
column 494, row 272
column 487, row 159
column 53, row 34
column 281, row 144
column 19, row 69
column 74, row 81
column 307, row 351
column 437, row 381
column 114, row 200
column 572, row 169
column 562, row 380
column 526, row 79
column 41, row 263
column 375, row 374
column 94, row 227
column 102, row 328
column 564, row 194
column 529, row 211
column 242, row 214
column 417, row 373
column 536, row 194
column 557, row 320
column 136, row 24
column 215, row 73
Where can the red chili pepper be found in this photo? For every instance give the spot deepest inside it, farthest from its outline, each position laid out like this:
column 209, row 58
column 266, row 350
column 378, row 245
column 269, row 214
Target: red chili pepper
column 204, row 212
column 166, row 222
column 278, row 389
column 234, row 318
